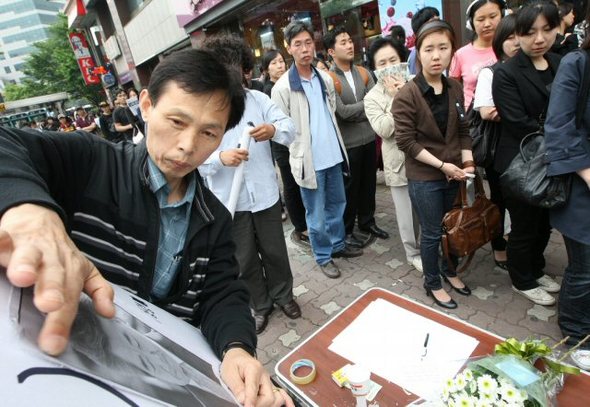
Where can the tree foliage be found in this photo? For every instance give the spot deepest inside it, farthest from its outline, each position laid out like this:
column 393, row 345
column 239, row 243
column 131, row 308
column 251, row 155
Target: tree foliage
column 52, row 67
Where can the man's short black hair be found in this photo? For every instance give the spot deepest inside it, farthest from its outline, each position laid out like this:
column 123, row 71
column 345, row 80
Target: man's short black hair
column 199, row 72
column 422, row 16
column 294, row 29
column 329, row 39
column 230, row 50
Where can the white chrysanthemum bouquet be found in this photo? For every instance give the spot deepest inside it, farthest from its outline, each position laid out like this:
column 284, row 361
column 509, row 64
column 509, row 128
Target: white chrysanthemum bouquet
column 509, row 377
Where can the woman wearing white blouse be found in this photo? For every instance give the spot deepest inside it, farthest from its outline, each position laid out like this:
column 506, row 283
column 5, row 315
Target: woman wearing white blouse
column 505, row 45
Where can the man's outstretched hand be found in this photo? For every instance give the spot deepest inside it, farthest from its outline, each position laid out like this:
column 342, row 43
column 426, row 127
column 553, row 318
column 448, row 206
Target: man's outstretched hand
column 249, row 382
column 37, row 251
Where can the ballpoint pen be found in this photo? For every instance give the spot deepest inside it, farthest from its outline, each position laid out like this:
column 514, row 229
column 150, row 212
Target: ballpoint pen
column 425, row 346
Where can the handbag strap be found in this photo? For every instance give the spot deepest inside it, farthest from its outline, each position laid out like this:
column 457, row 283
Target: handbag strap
column 584, row 90
column 450, row 263
column 461, row 200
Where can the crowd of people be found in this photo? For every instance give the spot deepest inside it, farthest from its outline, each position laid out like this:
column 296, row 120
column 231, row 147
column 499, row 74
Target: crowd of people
column 319, row 120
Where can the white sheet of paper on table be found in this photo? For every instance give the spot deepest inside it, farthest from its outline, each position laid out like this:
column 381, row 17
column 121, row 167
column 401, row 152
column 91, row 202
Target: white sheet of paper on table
column 389, row 341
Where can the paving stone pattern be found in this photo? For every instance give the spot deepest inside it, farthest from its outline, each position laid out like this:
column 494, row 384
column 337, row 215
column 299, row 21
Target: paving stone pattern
column 493, row 306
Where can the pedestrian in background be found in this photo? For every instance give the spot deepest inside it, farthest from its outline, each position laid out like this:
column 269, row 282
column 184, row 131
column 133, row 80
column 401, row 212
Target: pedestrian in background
column 257, row 227
column 359, row 138
column 383, row 53
column 568, row 152
column 505, row 46
column 483, row 16
column 521, row 89
column 273, row 63
column 317, row 156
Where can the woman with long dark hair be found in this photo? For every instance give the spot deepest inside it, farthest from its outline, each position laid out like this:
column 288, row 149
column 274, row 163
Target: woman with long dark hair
column 430, row 128
column 273, row 66
column 505, row 45
column 568, row 150
column 483, row 16
column 521, row 89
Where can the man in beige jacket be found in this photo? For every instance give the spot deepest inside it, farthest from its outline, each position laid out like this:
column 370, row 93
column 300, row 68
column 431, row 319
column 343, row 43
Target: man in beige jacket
column 317, row 155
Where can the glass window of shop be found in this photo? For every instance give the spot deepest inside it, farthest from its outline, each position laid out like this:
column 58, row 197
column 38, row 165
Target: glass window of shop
column 264, row 23
column 359, row 18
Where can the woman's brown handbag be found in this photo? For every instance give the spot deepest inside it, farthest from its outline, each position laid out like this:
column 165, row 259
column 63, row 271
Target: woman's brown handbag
column 466, row 227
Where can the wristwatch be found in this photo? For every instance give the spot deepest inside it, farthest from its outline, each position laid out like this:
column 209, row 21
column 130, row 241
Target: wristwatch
column 240, row 345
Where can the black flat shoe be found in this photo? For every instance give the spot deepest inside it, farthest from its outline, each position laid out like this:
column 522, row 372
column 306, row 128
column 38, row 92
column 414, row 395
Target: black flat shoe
column 463, row 291
column 449, row 305
column 503, row 264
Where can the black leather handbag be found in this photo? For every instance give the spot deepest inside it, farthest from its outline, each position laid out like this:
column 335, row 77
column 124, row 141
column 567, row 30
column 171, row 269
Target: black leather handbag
column 484, row 139
column 526, row 177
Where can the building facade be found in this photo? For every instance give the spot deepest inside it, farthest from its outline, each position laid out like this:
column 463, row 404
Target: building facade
column 22, row 23
column 261, row 22
column 128, row 36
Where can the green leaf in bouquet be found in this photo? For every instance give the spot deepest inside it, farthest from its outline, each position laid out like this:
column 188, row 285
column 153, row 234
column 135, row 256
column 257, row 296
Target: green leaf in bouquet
column 557, row 367
column 529, row 350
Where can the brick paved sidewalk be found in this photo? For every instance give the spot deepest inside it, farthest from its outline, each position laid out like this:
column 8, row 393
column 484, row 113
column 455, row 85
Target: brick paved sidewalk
column 493, row 306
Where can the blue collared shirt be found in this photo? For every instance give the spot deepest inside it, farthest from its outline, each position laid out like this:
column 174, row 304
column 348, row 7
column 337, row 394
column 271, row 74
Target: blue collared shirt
column 325, row 148
column 174, row 221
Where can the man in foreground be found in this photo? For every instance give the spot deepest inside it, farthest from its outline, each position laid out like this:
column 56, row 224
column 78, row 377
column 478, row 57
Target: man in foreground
column 78, row 211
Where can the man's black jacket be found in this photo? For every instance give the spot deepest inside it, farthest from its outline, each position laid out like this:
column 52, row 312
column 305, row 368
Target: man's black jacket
column 102, row 193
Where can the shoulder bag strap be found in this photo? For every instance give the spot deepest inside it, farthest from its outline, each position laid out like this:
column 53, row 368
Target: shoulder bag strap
column 583, row 96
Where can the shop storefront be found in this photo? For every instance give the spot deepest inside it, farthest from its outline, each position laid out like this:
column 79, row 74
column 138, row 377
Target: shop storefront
column 261, row 22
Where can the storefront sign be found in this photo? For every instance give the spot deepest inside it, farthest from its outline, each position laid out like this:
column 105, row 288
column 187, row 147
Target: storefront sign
column 400, row 12
column 331, row 7
column 108, row 80
column 188, row 10
column 85, row 61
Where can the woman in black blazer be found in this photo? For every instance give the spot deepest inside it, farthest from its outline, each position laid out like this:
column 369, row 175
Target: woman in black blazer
column 521, row 88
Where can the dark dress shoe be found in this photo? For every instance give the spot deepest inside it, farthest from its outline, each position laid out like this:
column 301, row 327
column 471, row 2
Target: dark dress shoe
column 330, row 270
column 348, row 252
column 463, row 291
column 291, row 309
column 261, row 321
column 503, row 264
column 449, row 304
column 376, row 231
column 353, row 241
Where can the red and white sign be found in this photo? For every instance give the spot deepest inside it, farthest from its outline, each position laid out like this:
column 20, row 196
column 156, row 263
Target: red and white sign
column 85, row 61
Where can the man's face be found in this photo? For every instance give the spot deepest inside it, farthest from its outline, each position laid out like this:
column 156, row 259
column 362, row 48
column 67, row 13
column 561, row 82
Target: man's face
column 343, row 48
column 121, row 97
column 302, row 49
column 82, row 113
column 183, row 129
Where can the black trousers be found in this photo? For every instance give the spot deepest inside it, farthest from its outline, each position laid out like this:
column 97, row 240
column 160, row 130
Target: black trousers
column 292, row 197
column 261, row 252
column 498, row 243
column 528, row 239
column 360, row 187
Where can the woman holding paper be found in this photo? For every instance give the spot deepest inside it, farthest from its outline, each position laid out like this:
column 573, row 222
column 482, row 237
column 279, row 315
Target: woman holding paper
column 257, row 226
column 385, row 53
column 432, row 131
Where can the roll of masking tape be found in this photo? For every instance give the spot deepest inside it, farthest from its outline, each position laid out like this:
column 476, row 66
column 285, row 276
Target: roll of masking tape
column 303, row 379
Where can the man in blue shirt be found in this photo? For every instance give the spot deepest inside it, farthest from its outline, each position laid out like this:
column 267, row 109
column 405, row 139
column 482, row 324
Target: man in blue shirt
column 317, row 156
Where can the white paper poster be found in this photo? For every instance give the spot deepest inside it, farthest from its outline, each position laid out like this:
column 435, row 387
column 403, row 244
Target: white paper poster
column 142, row 357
